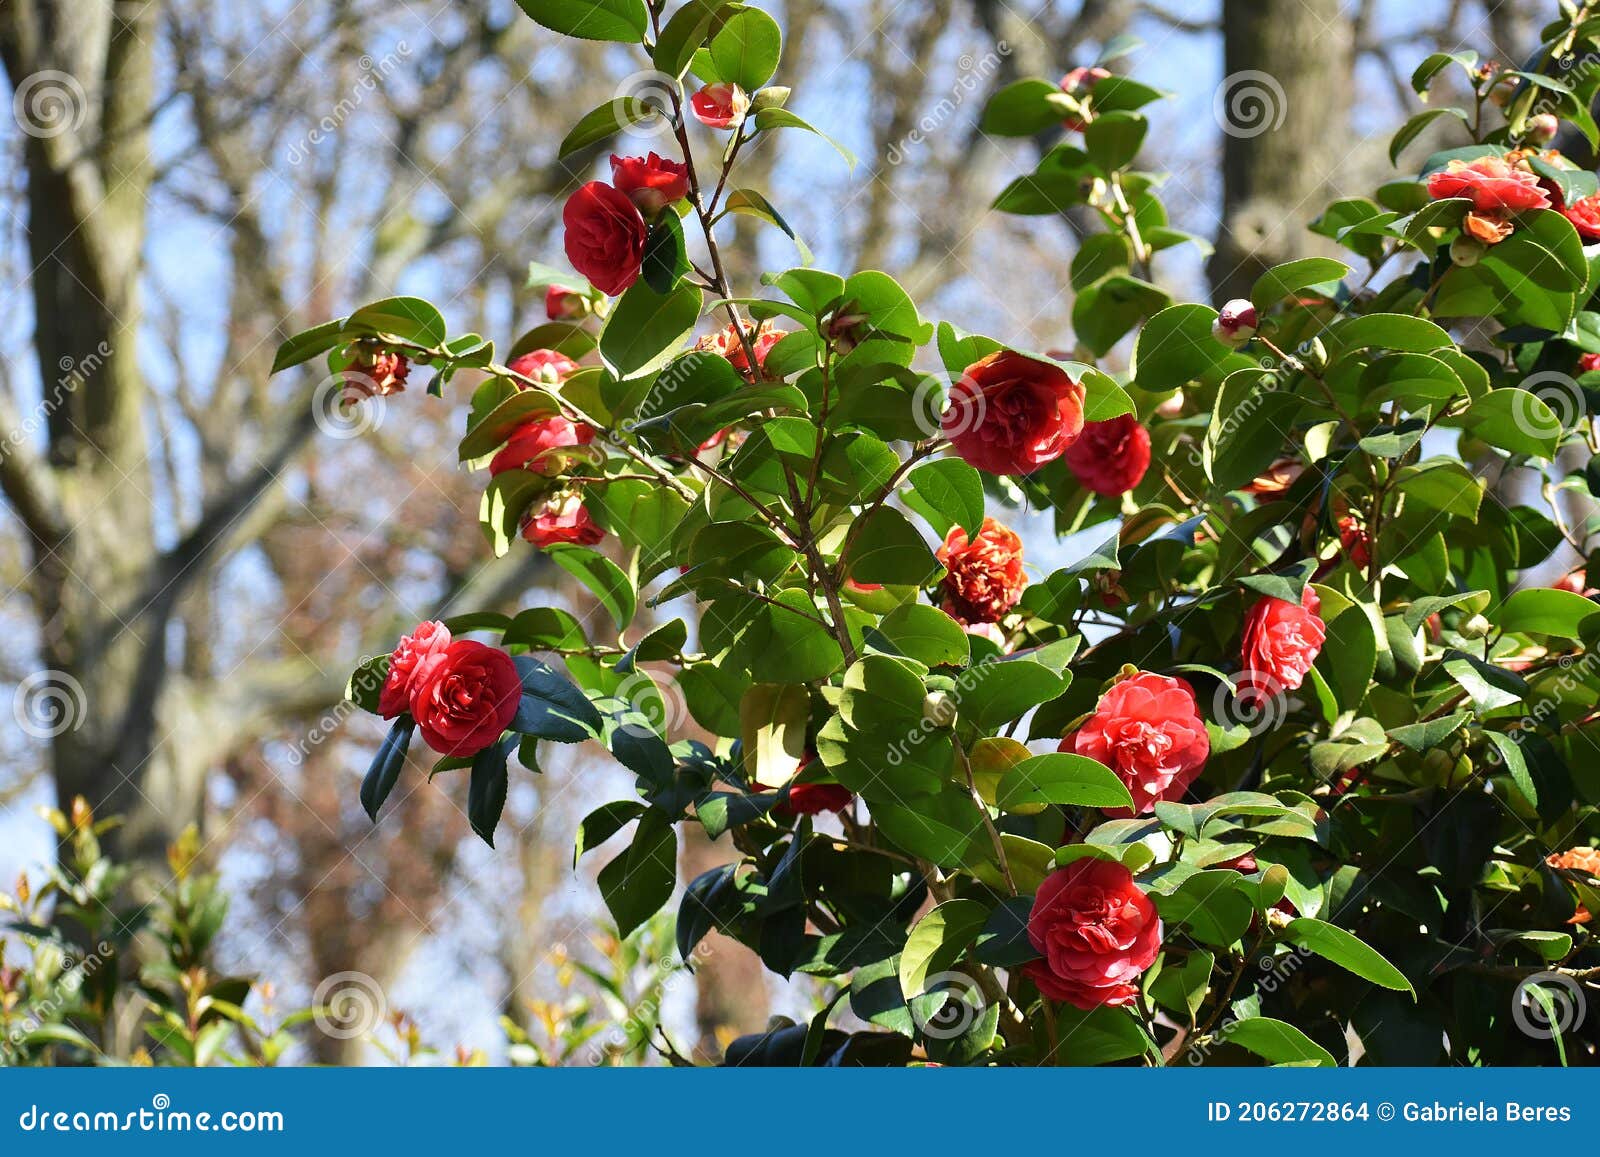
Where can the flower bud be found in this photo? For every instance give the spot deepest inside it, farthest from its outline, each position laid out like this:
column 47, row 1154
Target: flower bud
column 938, row 709
column 1541, row 129
column 1236, row 323
column 720, row 106
column 563, row 303
column 1474, row 628
column 1465, row 251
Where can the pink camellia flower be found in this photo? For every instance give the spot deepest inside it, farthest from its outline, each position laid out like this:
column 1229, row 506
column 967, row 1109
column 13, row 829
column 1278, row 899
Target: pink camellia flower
column 1111, row 457
column 1146, row 730
column 604, row 236
column 532, row 440
column 1281, row 642
column 1078, row 82
column 720, row 106
column 984, row 577
column 1584, row 214
column 652, row 183
column 548, row 366
column 409, row 655
column 464, row 697
column 1097, row 931
column 1492, row 184
column 563, row 303
column 1011, row 414
column 561, row 520
column 1236, row 323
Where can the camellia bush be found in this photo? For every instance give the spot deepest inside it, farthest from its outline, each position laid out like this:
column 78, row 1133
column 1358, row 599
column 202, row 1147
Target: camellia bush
column 1297, row 766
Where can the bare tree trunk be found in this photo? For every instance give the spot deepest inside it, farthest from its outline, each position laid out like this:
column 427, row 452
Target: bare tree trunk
column 1284, row 108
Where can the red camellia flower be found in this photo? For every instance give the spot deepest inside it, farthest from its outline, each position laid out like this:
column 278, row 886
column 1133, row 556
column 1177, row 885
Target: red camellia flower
column 1097, row 931
column 375, row 372
column 422, row 644
column 1585, row 217
column 464, row 697
column 1146, row 730
column 1491, row 183
column 1011, row 414
column 605, row 236
column 548, row 366
column 564, row 519
column 563, row 303
column 1355, row 542
column 1588, row 363
column 533, row 439
column 985, row 577
column 1281, row 641
column 652, row 183
column 726, row 343
column 1111, row 457
column 809, row 799
column 720, row 106
column 1076, row 83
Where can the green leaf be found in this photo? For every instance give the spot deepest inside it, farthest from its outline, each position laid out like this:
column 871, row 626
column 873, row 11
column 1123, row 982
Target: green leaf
column 923, row 633
column 386, row 766
column 410, row 319
column 604, row 822
column 1427, row 735
column 1175, row 347
column 937, row 941
column 1023, row 108
column 486, row 791
column 1515, row 764
column 996, row 692
column 746, row 48
column 647, row 328
column 889, row 550
column 782, row 118
column 1277, row 1042
column 304, row 346
column 624, row 21
column 607, row 121
column 1282, row 281
column 1414, row 127
column 1112, row 139
column 751, row 203
column 1541, row 611
column 1061, row 778
column 552, row 707
column 639, row 881
column 685, row 34
column 490, row 431
column 794, row 647
column 1347, row 951
column 772, row 724
column 1515, row 420
column 953, row 490
column 1389, row 331
column 603, row 577
column 665, row 257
